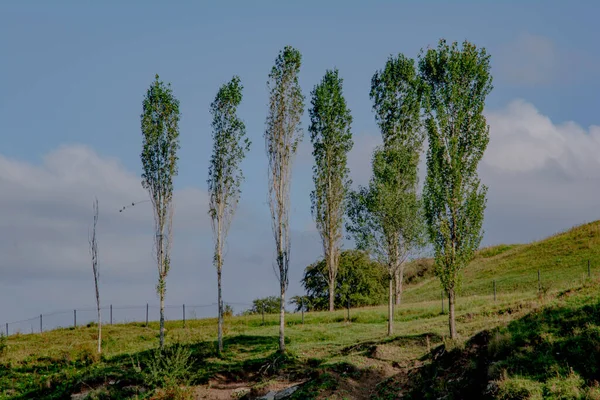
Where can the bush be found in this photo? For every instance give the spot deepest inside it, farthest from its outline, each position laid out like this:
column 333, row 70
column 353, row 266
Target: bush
column 227, row 310
column 361, row 280
column 268, row 305
column 166, row 368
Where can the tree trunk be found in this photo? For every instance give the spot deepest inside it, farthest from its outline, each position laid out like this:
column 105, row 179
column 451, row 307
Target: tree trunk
column 391, row 309
column 282, row 318
column 162, row 317
column 220, row 306
column 99, row 332
column 331, row 294
column 451, row 298
column 399, row 278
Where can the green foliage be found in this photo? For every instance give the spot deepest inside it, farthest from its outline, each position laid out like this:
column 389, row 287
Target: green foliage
column 230, row 146
column 332, row 140
column 167, row 367
column 396, row 101
column 456, row 82
column 385, row 216
column 270, row 305
column 359, row 279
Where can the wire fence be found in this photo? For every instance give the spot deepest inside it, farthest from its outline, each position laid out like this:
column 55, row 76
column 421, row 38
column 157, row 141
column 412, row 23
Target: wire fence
column 113, row 315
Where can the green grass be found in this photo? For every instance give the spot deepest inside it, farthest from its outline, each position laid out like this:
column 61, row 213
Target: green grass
column 345, row 358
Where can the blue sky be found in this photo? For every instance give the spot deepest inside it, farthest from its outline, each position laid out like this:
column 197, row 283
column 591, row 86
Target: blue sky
column 74, row 75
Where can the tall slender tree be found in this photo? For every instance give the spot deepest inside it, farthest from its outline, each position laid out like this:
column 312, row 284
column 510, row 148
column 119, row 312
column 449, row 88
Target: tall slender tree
column 385, row 217
column 160, row 131
column 93, row 241
column 396, row 103
column 332, row 140
column 282, row 136
column 225, row 176
column 456, row 81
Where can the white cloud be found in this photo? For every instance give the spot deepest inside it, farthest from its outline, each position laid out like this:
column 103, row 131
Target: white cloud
column 523, row 140
column 45, row 214
column 543, row 176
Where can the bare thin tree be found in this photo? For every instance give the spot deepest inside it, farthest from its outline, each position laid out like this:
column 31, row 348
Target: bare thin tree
column 92, row 238
column 282, row 136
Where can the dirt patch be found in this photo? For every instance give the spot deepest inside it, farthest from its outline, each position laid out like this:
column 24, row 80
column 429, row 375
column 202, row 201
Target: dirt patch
column 218, row 390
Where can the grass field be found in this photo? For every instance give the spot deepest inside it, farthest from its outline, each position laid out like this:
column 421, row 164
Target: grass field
column 354, row 359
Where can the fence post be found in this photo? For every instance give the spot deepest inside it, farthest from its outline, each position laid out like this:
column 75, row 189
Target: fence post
column 539, row 282
column 146, row 315
column 184, row 315
column 442, row 296
column 7, row 329
column 348, row 308
column 111, row 314
column 589, row 270
column 41, row 327
column 302, row 309
column 74, row 318
column 262, row 307
column 494, row 290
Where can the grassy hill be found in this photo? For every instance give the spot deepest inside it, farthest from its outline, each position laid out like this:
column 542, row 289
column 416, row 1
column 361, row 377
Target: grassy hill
column 524, row 345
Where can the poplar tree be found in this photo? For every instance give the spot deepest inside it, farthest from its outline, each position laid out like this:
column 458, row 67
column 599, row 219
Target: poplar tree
column 282, row 136
column 396, row 103
column 456, row 81
column 332, row 140
column 225, row 176
column 385, row 217
column 160, row 131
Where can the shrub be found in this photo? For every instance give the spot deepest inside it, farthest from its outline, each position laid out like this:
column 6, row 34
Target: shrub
column 227, row 310
column 359, row 279
column 166, row 368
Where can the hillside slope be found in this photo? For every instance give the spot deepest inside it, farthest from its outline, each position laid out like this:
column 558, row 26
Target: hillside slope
column 561, row 259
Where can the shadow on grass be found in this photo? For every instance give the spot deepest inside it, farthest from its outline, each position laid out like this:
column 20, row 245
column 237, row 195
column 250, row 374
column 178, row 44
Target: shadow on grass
column 245, row 358
column 553, row 343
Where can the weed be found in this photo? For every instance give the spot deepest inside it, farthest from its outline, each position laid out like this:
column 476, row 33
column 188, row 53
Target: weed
column 167, row 368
